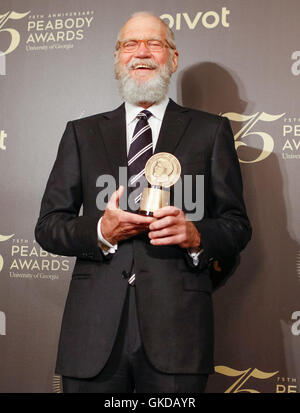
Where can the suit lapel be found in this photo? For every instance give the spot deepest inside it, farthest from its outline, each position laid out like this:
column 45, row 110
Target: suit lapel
column 113, row 131
column 174, row 124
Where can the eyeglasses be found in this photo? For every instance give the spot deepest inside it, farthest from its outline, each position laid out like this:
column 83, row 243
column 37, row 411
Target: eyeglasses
column 153, row 45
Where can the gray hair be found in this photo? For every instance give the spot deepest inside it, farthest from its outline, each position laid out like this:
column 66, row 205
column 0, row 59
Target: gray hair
column 169, row 33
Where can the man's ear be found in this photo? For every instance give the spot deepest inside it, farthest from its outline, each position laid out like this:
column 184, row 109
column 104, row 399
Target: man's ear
column 174, row 61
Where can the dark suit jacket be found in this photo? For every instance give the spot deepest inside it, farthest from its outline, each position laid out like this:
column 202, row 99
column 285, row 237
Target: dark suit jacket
column 173, row 297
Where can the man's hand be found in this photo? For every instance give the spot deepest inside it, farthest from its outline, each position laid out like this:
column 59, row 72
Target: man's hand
column 171, row 227
column 117, row 225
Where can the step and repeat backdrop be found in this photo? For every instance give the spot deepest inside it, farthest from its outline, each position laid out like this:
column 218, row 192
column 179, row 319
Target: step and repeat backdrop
column 236, row 58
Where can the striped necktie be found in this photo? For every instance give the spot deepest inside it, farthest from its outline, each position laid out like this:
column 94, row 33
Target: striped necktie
column 141, row 149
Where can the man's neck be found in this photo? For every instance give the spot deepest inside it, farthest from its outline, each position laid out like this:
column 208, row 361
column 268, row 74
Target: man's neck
column 157, row 108
column 146, row 105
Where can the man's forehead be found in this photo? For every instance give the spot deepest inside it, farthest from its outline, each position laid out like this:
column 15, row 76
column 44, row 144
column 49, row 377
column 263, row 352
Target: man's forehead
column 141, row 27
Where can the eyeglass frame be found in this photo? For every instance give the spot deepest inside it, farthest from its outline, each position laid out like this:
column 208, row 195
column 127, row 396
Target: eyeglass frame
column 165, row 43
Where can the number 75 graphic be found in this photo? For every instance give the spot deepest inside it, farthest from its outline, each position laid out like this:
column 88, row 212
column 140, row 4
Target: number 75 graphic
column 244, row 376
column 247, row 130
column 15, row 36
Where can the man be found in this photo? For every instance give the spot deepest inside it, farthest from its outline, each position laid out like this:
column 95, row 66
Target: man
column 138, row 314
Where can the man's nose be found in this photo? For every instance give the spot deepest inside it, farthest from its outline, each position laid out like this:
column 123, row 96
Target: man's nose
column 142, row 50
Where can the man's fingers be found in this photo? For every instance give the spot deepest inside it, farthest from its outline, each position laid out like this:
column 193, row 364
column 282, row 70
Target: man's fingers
column 165, row 211
column 163, row 223
column 114, row 200
column 119, row 192
column 136, row 219
column 164, row 232
column 175, row 239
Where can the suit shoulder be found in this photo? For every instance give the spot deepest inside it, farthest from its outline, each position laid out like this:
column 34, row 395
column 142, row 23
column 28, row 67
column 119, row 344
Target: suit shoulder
column 205, row 116
column 87, row 119
column 91, row 119
column 196, row 114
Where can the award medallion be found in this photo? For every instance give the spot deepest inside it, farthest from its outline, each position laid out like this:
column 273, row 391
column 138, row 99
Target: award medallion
column 162, row 171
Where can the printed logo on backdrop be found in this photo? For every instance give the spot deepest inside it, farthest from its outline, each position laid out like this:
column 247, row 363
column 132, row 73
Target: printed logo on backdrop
column 291, row 138
column 253, row 126
column 25, row 259
column 3, row 238
column 57, row 30
column 295, row 68
column 252, row 379
column 14, row 34
column 286, row 385
column 207, row 19
column 6, row 20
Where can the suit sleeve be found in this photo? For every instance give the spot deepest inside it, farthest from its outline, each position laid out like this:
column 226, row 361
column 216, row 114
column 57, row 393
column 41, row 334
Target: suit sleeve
column 60, row 229
column 225, row 230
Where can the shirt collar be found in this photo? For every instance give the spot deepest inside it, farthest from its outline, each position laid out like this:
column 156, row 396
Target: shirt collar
column 157, row 110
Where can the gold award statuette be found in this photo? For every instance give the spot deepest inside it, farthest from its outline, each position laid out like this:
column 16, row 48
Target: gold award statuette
column 162, row 171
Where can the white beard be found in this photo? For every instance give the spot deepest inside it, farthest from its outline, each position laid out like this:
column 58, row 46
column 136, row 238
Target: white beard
column 152, row 91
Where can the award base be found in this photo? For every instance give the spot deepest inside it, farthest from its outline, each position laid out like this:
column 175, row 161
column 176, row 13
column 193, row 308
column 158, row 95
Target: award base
column 152, row 199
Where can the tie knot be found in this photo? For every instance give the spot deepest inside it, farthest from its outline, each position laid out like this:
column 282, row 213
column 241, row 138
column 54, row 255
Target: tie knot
column 144, row 114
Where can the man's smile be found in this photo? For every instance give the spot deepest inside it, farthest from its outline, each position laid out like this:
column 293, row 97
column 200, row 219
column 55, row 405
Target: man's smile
column 142, row 67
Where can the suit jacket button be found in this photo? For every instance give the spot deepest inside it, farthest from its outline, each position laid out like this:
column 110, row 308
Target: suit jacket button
column 125, row 274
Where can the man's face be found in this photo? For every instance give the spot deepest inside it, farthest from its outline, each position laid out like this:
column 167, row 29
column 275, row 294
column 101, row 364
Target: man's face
column 158, row 169
column 144, row 28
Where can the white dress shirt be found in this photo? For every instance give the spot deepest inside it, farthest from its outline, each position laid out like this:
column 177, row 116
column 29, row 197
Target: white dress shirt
column 155, row 121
